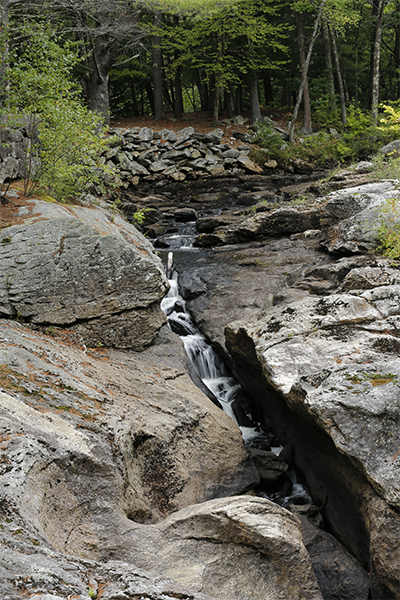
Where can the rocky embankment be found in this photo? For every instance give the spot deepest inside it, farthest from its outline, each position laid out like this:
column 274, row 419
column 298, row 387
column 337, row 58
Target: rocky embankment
column 141, row 154
column 114, row 465
column 310, row 323
column 118, row 475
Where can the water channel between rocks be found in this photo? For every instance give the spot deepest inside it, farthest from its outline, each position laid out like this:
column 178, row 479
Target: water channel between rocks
column 281, row 484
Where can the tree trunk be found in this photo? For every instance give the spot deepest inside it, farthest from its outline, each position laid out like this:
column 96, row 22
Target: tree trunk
column 159, row 114
column 178, row 98
column 217, row 95
column 178, row 102
column 238, row 100
column 307, row 127
column 397, row 57
column 99, row 100
column 339, row 78
column 329, row 66
column 150, row 96
column 229, row 107
column 4, row 83
column 255, row 112
column 134, row 99
column 105, row 51
column 305, row 71
column 268, row 91
column 376, row 62
column 203, row 92
column 375, row 9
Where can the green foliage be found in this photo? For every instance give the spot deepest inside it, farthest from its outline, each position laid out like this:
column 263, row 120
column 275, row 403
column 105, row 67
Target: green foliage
column 216, row 38
column 358, row 141
column 66, row 137
column 140, row 215
column 389, row 229
column 389, row 122
column 70, row 149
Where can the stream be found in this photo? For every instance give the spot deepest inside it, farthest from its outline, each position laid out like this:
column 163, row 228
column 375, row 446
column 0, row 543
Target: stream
column 225, row 391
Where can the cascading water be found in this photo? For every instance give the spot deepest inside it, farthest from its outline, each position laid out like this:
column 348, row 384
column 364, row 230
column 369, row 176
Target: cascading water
column 206, row 362
column 225, row 390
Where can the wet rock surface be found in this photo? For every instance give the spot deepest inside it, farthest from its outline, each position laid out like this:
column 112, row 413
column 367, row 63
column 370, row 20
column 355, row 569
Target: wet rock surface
column 339, row 575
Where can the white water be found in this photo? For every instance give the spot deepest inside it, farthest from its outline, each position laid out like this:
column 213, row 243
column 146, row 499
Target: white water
column 213, row 372
column 204, row 359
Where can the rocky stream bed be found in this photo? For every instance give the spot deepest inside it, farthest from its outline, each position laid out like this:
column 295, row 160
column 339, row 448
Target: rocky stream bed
column 119, row 476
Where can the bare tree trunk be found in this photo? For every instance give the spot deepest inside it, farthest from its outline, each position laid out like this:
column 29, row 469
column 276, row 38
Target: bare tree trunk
column 150, row 96
column 203, row 91
column 268, row 91
column 339, row 78
column 376, row 62
column 397, row 56
column 238, row 100
column 178, row 100
column 328, row 65
column 307, row 127
column 159, row 114
column 104, row 54
column 134, row 100
column 4, row 83
column 356, row 41
column 228, row 100
column 255, row 112
column 217, row 94
column 305, row 71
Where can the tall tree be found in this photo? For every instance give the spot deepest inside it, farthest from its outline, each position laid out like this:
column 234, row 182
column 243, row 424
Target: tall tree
column 328, row 65
column 230, row 42
column 4, row 35
column 339, row 77
column 157, row 69
column 307, row 127
column 101, row 27
column 314, row 36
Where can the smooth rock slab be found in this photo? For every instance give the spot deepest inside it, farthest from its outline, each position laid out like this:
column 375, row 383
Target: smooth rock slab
column 335, row 362
column 127, row 432
column 240, row 548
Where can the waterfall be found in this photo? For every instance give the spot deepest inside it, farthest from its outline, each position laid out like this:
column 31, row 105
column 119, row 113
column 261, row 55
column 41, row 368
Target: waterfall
column 214, row 374
column 206, row 362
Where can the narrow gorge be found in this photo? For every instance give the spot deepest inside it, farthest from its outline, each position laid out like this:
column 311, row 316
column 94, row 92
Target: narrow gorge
column 121, row 475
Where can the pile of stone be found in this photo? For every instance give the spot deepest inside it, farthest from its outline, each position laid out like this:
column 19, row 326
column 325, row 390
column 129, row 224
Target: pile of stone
column 141, row 153
column 14, row 141
column 137, row 154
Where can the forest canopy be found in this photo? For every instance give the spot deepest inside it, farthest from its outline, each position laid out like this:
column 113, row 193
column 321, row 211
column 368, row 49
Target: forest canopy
column 152, row 57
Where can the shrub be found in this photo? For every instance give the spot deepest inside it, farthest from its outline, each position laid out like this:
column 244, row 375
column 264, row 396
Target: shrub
column 389, row 229
column 62, row 132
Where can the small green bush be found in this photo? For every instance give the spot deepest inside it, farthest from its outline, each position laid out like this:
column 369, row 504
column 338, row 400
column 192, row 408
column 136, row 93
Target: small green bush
column 389, row 229
column 63, row 133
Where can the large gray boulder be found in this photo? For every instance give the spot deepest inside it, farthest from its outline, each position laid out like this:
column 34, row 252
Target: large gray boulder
column 125, row 431
column 335, row 362
column 98, row 446
column 83, row 267
column 240, row 548
column 359, row 232
column 350, row 218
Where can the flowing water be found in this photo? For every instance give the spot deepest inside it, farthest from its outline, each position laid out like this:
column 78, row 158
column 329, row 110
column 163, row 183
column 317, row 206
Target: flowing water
column 215, row 375
column 206, row 362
